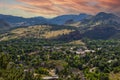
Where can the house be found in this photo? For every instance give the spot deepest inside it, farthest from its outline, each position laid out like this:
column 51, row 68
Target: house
column 80, row 51
column 50, row 78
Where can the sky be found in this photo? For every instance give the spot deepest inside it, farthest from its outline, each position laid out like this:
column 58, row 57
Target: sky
column 52, row 8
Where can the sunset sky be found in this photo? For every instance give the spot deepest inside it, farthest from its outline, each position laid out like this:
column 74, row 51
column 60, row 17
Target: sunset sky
column 51, row 8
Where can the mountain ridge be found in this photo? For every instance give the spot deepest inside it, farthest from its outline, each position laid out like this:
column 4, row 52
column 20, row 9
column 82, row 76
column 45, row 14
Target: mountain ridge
column 100, row 26
column 59, row 20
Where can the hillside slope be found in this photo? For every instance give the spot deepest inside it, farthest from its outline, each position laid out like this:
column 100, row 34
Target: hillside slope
column 38, row 31
column 4, row 26
column 101, row 26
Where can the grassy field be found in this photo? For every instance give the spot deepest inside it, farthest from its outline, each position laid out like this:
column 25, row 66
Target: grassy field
column 53, row 34
column 77, row 42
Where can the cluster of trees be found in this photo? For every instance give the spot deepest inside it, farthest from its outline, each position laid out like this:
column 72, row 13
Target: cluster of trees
column 21, row 59
column 11, row 71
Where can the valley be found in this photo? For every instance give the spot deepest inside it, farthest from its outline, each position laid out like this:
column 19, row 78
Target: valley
column 67, row 47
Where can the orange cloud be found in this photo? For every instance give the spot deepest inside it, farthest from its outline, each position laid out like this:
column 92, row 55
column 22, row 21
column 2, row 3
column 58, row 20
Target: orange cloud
column 59, row 7
column 110, row 6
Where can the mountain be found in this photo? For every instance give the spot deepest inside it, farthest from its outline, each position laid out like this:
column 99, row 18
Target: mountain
column 20, row 21
column 101, row 26
column 13, row 20
column 101, row 19
column 60, row 20
column 37, row 31
column 66, row 19
column 4, row 26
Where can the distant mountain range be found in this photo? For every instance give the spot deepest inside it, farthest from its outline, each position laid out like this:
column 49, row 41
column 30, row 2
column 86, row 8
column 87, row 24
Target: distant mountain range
column 60, row 20
column 100, row 26
column 20, row 21
column 66, row 19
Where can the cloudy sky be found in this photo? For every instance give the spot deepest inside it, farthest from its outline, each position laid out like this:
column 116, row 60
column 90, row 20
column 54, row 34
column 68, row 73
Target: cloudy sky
column 51, row 8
